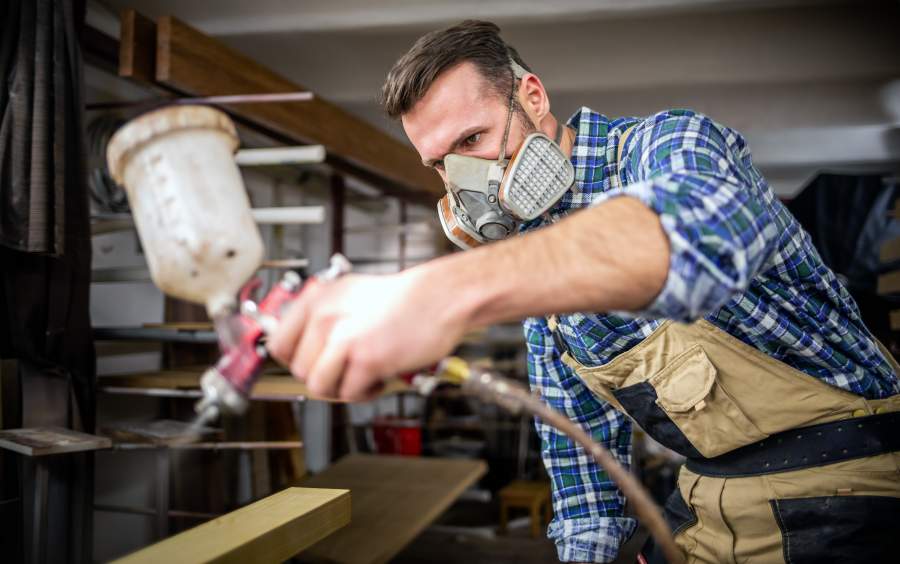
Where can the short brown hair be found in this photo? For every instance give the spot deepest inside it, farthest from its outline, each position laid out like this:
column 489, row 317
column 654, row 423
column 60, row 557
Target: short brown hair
column 478, row 42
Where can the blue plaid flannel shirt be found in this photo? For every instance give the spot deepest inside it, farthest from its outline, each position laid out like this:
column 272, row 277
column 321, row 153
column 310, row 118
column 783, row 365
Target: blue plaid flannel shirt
column 738, row 259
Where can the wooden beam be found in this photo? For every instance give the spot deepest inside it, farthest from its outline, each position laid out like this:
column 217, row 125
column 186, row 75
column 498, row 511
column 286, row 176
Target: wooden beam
column 889, row 283
column 271, row 530
column 137, row 46
column 890, row 250
column 192, row 62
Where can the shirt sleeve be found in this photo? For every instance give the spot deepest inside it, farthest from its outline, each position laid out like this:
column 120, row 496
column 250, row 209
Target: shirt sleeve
column 588, row 510
column 698, row 177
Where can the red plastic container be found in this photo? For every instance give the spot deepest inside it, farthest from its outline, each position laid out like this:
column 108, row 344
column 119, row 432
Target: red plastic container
column 395, row 435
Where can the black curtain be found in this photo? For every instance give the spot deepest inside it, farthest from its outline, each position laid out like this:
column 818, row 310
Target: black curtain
column 45, row 255
column 848, row 219
column 45, row 247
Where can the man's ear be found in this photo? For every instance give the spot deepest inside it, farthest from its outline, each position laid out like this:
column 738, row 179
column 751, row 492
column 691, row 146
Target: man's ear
column 533, row 97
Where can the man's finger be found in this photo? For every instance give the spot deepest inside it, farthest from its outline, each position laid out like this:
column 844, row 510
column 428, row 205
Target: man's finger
column 283, row 343
column 360, row 381
column 317, row 333
column 325, row 376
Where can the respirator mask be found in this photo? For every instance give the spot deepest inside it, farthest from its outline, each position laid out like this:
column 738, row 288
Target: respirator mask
column 487, row 200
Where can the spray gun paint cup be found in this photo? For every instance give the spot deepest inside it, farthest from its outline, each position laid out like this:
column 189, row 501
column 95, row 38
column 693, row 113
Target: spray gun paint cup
column 189, row 203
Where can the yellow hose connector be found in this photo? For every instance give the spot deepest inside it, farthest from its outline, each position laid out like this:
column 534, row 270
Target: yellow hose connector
column 454, row 370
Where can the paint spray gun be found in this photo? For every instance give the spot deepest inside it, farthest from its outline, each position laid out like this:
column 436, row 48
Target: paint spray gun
column 226, row 386
column 193, row 217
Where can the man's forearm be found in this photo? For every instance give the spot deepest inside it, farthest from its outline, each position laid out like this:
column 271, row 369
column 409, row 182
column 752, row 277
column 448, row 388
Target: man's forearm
column 611, row 257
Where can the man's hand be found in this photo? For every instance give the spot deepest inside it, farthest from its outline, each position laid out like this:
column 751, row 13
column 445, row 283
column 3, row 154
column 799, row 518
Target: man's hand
column 345, row 337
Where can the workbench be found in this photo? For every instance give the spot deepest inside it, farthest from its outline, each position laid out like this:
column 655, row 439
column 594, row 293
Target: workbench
column 394, row 499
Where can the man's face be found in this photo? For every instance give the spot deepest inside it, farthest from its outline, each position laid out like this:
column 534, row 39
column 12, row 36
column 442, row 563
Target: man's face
column 460, row 114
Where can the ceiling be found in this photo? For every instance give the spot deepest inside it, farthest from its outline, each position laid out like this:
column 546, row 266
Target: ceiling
column 791, row 75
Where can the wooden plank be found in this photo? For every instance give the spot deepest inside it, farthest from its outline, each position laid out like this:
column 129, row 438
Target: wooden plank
column 889, row 283
column 190, row 61
column 267, row 387
column 270, row 530
column 119, row 348
column 41, row 441
column 890, row 250
column 137, row 46
column 182, row 325
column 394, row 499
column 218, row 445
column 895, row 320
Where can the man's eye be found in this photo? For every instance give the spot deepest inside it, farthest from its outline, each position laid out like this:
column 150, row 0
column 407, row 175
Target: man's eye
column 472, row 139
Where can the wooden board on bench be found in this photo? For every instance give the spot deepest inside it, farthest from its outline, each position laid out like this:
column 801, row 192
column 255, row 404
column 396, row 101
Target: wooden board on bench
column 394, row 499
column 270, row 530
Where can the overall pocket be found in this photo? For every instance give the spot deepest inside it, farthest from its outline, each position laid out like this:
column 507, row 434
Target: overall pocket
column 852, row 529
column 691, row 395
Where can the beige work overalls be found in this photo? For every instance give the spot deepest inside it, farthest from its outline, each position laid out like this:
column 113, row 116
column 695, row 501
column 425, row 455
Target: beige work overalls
column 706, row 394
column 703, row 392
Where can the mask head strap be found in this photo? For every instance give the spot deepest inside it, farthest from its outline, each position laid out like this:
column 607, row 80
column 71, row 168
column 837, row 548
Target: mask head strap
column 517, row 72
column 559, row 132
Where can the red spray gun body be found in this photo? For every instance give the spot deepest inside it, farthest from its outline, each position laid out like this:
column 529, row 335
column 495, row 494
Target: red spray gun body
column 227, row 385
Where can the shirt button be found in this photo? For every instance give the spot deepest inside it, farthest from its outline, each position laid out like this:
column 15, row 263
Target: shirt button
column 859, row 413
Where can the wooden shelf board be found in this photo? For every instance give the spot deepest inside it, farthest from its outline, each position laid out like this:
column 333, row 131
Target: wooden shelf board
column 890, row 250
column 41, row 441
column 889, row 283
column 269, row 386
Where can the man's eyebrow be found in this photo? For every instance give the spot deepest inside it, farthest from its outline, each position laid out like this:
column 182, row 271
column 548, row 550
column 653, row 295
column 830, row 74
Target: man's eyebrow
column 468, row 132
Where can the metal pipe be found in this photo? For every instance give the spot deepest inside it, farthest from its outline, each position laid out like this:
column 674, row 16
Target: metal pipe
column 295, row 215
column 225, row 445
column 285, row 263
column 289, row 215
column 390, row 260
column 121, row 274
column 152, row 512
column 192, row 393
column 306, row 154
column 421, row 228
column 151, row 392
column 153, row 334
column 230, row 99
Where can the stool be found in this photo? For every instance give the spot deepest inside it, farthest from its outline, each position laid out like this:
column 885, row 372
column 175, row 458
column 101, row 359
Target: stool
column 39, row 443
column 527, row 495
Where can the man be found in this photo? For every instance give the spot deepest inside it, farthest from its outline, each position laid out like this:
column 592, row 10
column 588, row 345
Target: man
column 767, row 380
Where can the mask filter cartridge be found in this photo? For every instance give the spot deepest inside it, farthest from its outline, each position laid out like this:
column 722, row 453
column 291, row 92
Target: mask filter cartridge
column 537, row 177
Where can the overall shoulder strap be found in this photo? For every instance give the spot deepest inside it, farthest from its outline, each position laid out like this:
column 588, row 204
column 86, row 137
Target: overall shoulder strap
column 622, row 140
